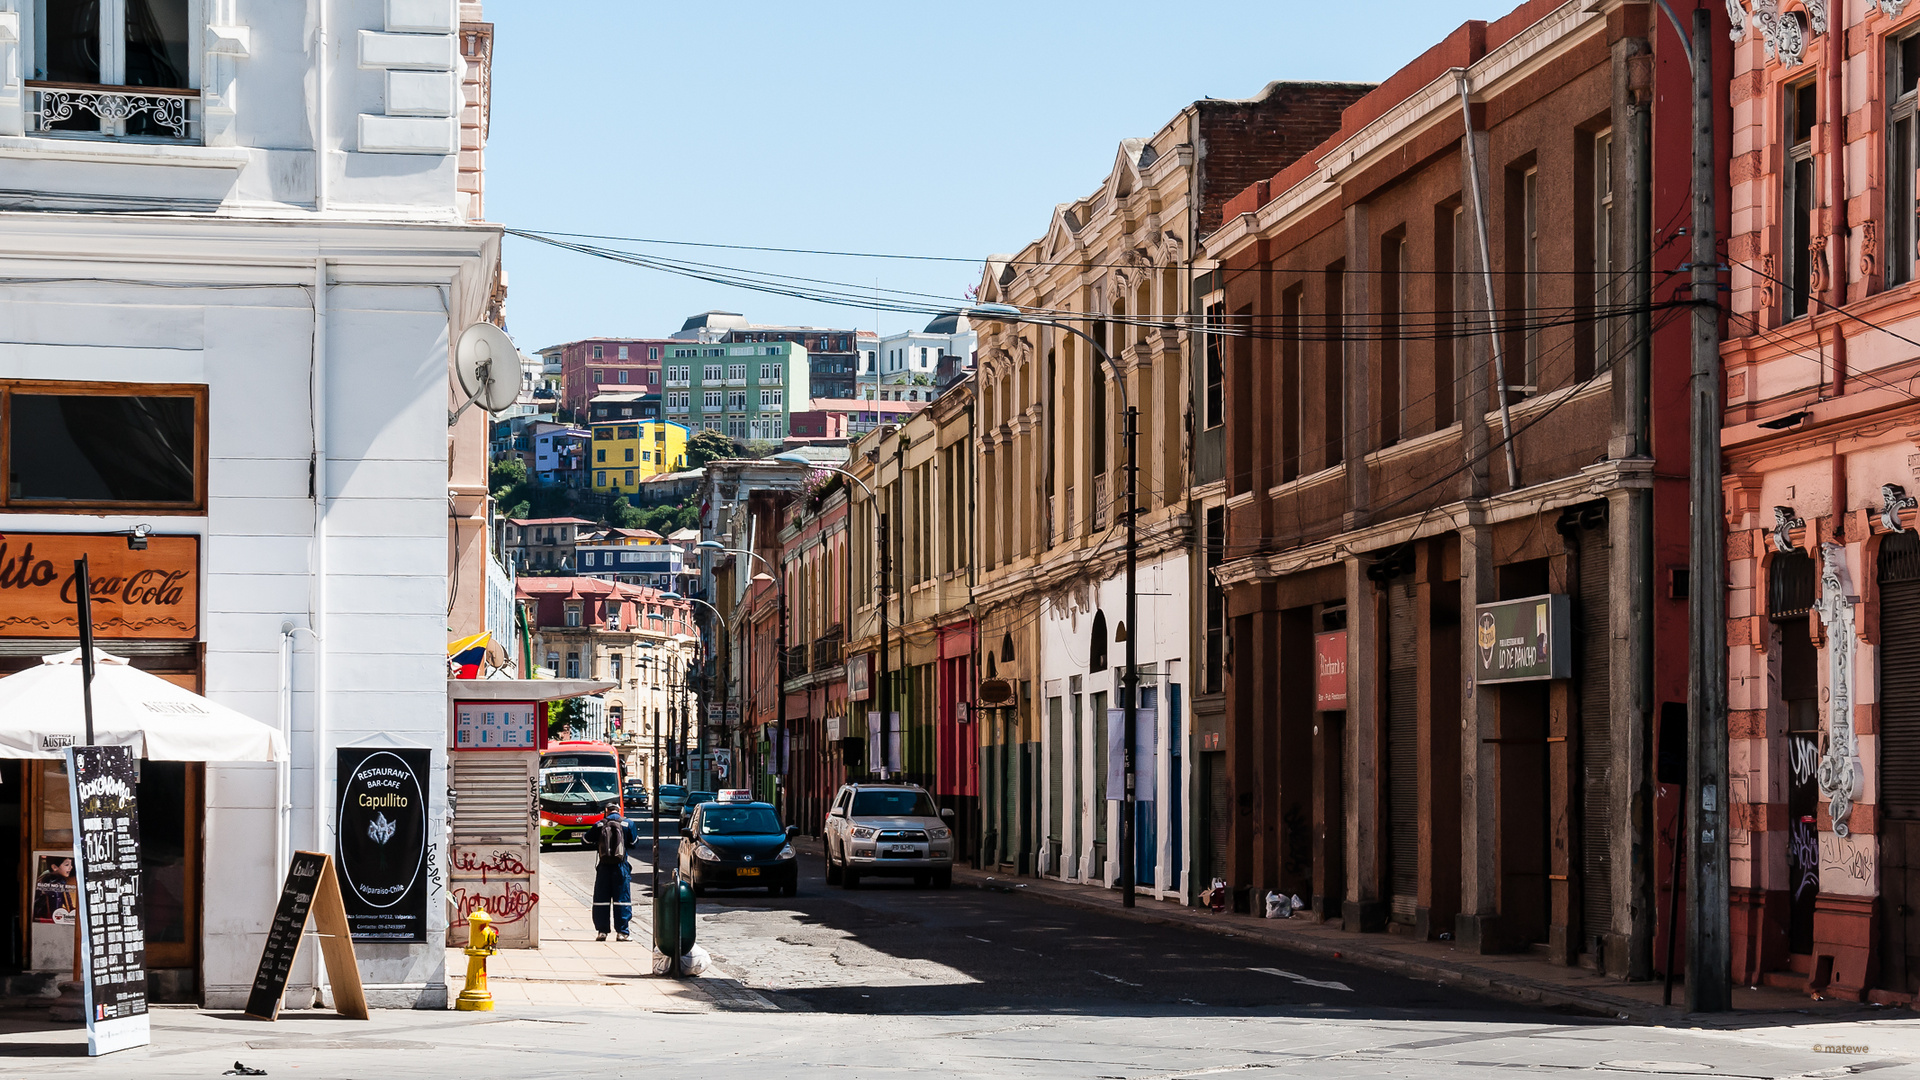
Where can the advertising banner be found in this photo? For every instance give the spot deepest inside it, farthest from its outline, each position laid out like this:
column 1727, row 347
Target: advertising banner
column 150, row 593
column 381, row 829
column 1146, row 742
column 1524, row 640
column 113, row 942
column 1330, row 671
column 859, row 677
column 497, row 725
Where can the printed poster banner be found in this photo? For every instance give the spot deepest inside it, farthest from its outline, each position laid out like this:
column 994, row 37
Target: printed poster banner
column 1525, row 640
column 1146, row 763
column 113, row 943
column 381, row 830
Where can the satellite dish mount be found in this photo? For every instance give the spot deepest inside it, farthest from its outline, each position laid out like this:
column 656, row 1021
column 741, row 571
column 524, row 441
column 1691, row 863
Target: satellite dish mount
column 488, row 366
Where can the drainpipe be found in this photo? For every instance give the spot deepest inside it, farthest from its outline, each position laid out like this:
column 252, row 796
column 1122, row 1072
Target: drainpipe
column 318, row 587
column 321, row 41
column 1486, row 280
column 1837, row 229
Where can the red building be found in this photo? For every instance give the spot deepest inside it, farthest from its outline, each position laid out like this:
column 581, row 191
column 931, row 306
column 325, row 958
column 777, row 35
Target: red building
column 606, row 366
column 1454, row 406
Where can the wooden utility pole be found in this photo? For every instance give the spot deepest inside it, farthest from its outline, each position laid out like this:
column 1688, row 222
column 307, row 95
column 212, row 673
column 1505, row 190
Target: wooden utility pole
column 1709, row 951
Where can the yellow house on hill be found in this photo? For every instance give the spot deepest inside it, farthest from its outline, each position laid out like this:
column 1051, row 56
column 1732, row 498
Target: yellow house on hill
column 626, row 454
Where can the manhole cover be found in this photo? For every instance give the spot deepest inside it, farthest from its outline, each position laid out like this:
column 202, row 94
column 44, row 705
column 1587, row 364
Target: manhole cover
column 1658, row 1066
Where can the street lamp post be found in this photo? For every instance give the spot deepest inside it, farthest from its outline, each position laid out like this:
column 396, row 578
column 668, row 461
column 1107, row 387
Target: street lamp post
column 780, row 652
column 1131, row 678
column 720, row 633
column 880, row 599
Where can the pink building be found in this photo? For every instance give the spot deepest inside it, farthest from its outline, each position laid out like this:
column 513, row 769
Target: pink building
column 606, row 365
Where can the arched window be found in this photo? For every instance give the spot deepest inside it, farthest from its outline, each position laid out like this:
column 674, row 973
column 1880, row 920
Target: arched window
column 1097, row 649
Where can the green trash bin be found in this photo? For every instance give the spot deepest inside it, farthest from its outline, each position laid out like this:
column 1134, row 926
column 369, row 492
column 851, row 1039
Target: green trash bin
column 673, row 927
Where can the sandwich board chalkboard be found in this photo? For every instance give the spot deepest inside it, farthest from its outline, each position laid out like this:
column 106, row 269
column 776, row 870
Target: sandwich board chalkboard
column 103, row 791
column 311, row 892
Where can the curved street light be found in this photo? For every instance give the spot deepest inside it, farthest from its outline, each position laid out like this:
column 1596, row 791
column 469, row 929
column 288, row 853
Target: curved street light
column 720, row 629
column 880, row 593
column 1008, row 313
column 780, row 660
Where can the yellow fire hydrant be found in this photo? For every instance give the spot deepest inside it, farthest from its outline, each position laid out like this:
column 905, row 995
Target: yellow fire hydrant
column 481, row 935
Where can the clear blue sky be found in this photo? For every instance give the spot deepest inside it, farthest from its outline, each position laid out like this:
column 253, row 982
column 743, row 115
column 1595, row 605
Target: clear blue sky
column 935, row 129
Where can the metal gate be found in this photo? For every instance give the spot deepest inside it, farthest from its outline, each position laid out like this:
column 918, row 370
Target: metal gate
column 1899, row 774
column 1219, row 816
column 494, row 864
column 1597, row 814
column 1403, row 749
column 1056, row 795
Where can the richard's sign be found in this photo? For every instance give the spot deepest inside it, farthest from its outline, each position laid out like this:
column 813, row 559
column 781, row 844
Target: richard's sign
column 1330, row 671
column 1523, row 640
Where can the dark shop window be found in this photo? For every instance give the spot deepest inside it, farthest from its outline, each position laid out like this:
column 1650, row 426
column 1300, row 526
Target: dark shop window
column 65, row 447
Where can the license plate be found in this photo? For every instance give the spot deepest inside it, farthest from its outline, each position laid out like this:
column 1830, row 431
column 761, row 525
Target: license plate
column 903, row 852
column 747, row 871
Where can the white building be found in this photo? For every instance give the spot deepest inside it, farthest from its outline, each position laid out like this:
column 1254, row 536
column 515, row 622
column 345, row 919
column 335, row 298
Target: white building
column 234, row 271
column 910, row 366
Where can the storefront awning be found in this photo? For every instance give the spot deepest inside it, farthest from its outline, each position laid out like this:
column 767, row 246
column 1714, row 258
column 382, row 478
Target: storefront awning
column 524, row 689
column 41, row 713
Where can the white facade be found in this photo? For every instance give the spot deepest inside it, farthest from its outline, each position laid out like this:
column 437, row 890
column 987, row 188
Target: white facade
column 908, row 363
column 315, row 296
column 1162, row 768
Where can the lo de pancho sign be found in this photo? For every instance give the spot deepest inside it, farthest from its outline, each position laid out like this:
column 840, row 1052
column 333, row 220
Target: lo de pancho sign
column 1523, row 640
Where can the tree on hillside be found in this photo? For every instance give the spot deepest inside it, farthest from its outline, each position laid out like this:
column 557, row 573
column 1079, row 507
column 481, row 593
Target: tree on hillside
column 708, row 445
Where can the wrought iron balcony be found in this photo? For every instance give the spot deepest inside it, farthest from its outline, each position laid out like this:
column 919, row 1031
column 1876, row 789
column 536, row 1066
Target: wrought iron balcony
column 793, row 663
column 826, row 648
column 140, row 112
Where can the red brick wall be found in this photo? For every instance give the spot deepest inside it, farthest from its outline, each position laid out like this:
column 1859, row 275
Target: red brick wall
column 1246, row 141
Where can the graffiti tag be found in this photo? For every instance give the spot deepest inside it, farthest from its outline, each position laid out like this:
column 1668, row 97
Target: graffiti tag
column 510, row 905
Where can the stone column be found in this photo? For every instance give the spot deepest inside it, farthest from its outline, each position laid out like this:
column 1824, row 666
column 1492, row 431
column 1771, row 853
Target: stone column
column 1364, row 909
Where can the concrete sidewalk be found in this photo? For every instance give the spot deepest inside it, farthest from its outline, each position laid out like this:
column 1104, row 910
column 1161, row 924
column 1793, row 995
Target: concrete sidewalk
column 1522, row 977
column 571, row 968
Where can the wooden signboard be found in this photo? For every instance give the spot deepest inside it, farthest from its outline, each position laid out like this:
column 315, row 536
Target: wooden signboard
column 311, row 889
column 154, row 593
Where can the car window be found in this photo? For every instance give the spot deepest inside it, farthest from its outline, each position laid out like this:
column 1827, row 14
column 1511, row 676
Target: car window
column 672, row 791
column 738, row 821
column 893, row 804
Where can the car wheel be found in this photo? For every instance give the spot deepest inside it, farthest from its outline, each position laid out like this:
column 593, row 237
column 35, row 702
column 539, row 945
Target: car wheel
column 849, row 878
column 943, row 880
column 921, row 881
column 833, row 871
column 699, row 890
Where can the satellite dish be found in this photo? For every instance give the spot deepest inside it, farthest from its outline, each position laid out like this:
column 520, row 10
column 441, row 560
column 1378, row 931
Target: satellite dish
column 488, row 366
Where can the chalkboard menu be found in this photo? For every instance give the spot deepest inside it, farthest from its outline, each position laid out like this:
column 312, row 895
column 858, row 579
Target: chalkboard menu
column 113, row 944
column 283, row 935
column 382, row 838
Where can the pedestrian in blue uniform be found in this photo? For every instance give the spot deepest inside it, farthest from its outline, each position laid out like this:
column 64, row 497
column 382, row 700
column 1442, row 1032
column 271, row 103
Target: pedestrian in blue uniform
column 612, row 878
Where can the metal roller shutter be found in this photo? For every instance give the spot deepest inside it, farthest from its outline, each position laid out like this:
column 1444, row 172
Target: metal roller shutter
column 1900, row 677
column 1597, row 813
column 495, row 797
column 1403, row 749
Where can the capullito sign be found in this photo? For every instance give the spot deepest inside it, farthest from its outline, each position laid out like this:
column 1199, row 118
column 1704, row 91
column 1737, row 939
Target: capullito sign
column 382, row 837
column 153, row 593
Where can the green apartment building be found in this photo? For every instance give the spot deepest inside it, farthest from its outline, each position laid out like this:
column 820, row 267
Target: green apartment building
column 748, row 391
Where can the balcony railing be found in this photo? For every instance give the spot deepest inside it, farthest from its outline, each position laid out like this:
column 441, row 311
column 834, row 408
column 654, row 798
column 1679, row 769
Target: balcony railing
column 772, row 380
column 826, row 649
column 159, row 112
column 793, row 662
column 1100, row 503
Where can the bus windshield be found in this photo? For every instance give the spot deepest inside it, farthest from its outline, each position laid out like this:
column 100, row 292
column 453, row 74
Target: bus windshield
column 577, row 791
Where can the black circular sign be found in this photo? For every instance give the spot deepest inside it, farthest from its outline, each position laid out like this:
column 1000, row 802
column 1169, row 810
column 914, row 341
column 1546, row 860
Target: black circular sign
column 382, row 831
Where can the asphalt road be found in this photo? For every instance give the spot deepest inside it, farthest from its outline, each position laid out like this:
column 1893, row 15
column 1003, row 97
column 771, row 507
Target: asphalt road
column 891, row 948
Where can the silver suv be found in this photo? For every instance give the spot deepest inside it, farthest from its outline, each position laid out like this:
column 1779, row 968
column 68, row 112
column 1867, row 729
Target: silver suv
column 888, row 830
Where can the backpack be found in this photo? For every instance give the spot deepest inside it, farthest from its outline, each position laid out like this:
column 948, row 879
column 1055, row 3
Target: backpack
column 610, row 839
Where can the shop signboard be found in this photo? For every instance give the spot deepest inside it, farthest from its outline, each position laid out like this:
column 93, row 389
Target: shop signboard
column 311, row 891
column 1330, row 671
column 860, row 677
column 113, row 951
column 153, row 592
column 381, row 830
column 1526, row 640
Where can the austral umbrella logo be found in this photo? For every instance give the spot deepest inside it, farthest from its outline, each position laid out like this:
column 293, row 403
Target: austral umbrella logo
column 1489, row 637
column 383, row 837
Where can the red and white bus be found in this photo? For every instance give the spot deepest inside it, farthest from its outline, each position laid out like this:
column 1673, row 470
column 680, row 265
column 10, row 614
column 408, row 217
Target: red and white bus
column 580, row 781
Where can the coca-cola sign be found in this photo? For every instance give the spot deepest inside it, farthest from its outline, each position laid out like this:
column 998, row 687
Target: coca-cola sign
column 149, row 593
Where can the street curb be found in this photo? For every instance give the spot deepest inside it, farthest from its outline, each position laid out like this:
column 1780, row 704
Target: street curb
column 1520, row 989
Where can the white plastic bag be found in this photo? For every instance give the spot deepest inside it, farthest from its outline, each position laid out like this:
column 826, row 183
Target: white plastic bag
column 1279, row 906
column 695, row 962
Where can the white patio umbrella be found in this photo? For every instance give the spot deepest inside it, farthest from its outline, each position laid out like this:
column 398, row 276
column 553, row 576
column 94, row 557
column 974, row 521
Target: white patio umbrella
column 41, row 713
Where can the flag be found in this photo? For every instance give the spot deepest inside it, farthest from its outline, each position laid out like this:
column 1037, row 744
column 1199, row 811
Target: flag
column 468, row 654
